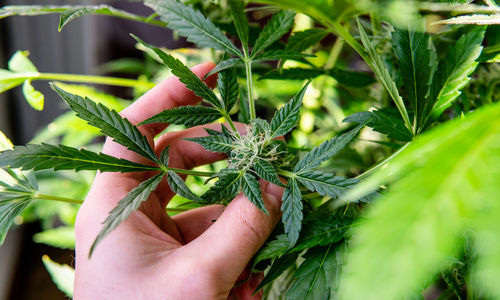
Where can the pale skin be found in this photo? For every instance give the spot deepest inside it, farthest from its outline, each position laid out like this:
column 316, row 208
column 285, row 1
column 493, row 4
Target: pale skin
column 153, row 256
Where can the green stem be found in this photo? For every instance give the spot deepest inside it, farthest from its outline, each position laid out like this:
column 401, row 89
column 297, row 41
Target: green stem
column 191, row 172
column 340, row 30
column 231, row 123
column 286, row 173
column 382, row 163
column 251, row 101
column 56, row 198
column 87, row 79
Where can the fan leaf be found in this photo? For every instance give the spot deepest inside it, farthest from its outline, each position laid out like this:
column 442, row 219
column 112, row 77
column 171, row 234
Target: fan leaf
column 179, row 187
column 286, row 118
column 251, row 189
column 292, row 211
column 279, row 24
column 188, row 116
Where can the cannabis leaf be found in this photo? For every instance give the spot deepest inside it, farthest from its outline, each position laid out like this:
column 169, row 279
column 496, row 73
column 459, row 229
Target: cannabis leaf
column 292, row 211
column 179, row 187
column 186, row 76
column 286, row 118
column 325, row 151
column 226, row 64
column 266, row 171
column 225, row 188
column 11, row 205
column 279, row 24
column 326, row 184
column 62, row 275
column 251, row 189
column 280, row 265
column 240, row 21
column 303, row 40
column 281, row 54
column 193, row 25
column 453, row 70
column 344, row 77
column 383, row 75
column 384, row 121
column 109, row 122
column 45, row 156
column 188, row 116
column 214, row 143
column 417, row 61
column 227, row 83
column 126, row 206
column 424, row 227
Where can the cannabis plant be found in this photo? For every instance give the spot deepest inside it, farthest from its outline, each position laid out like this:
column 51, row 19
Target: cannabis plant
column 430, row 189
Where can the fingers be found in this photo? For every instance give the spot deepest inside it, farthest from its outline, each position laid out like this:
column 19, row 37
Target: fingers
column 228, row 245
column 193, row 223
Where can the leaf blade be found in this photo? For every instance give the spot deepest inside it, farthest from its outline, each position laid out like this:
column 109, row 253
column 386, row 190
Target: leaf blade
column 286, row 118
column 279, row 24
column 292, row 211
column 251, row 189
column 188, row 116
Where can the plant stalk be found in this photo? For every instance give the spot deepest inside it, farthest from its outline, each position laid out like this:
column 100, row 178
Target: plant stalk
column 251, row 101
column 56, row 198
column 191, row 172
column 88, row 79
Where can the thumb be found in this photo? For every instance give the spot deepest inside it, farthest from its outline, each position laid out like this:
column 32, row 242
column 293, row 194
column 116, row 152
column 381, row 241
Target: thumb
column 227, row 246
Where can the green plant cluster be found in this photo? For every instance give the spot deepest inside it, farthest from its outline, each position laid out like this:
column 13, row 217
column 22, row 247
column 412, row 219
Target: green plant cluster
column 416, row 211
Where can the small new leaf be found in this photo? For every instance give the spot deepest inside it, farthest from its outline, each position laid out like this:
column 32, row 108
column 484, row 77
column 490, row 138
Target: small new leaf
column 192, row 25
column 214, row 143
column 227, row 83
column 326, row 184
column 279, row 24
column 188, row 116
column 303, row 40
column 45, row 156
column 251, row 189
column 240, row 21
column 186, row 76
column 109, row 122
column 179, row 187
column 286, row 118
column 164, row 156
column 34, row 98
column 126, row 206
column 266, row 171
column 325, row 151
column 292, row 211
column 225, row 188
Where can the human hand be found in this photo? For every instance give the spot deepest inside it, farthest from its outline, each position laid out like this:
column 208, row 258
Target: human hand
column 153, row 256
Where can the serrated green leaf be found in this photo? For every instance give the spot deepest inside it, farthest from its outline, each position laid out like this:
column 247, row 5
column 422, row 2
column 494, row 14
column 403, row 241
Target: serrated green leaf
column 225, row 188
column 292, row 211
column 192, row 25
column 286, row 118
column 62, row 275
column 179, row 187
column 10, row 208
column 384, row 121
column 240, row 21
column 280, row 265
column 126, row 206
column 188, row 116
column 280, row 54
column 251, row 189
column 60, row 237
column 186, row 76
column 316, row 276
column 344, row 77
column 303, row 40
column 164, row 156
column 279, row 24
column 227, row 83
column 423, row 227
column 416, row 64
column 45, row 156
column 109, row 122
column 266, row 171
column 214, row 143
column 322, row 228
column 453, row 71
column 272, row 249
column 33, row 97
column 326, row 184
column 20, row 63
column 70, row 12
column 383, row 75
column 325, row 151
column 226, row 64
